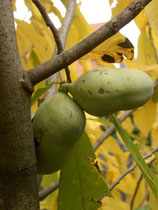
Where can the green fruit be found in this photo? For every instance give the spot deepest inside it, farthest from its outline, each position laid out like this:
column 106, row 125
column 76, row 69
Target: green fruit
column 104, row 91
column 58, row 124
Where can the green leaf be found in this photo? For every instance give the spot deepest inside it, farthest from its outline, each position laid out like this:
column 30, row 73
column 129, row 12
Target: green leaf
column 41, row 91
column 81, row 185
column 149, row 176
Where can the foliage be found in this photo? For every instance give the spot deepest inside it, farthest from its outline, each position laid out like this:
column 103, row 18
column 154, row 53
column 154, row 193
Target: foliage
column 36, row 45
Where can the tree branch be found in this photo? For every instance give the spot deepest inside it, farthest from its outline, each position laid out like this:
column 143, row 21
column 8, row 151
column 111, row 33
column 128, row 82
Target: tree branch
column 67, row 21
column 56, row 34
column 44, row 193
column 64, row 59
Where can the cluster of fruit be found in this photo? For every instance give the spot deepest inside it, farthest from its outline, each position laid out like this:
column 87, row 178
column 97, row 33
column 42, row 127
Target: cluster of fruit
column 60, row 121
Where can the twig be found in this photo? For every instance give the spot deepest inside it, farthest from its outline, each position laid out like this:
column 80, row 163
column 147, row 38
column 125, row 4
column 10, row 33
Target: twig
column 131, row 169
column 67, row 21
column 64, row 59
column 135, row 192
column 145, row 195
column 44, row 193
column 56, row 35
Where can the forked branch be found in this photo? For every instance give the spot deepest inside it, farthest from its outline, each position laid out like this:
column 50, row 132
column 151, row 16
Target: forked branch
column 64, row 59
column 64, row 29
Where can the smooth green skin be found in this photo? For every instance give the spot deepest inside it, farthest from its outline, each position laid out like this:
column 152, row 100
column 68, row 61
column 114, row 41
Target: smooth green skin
column 58, row 124
column 104, row 91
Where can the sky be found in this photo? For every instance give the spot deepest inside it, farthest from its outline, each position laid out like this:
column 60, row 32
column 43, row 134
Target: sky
column 94, row 11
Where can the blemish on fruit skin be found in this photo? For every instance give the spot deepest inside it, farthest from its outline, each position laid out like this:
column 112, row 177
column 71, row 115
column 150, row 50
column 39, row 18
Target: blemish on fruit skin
column 71, row 114
column 101, row 91
column 90, row 92
column 83, row 80
column 107, row 91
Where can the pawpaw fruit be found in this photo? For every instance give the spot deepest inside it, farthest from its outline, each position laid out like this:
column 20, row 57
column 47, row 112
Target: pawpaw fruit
column 104, row 91
column 58, row 124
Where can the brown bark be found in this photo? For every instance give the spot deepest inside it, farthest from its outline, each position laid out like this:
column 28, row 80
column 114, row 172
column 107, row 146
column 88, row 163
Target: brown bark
column 18, row 182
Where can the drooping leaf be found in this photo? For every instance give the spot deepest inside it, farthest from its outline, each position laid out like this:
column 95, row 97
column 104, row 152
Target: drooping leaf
column 144, row 117
column 151, row 10
column 146, row 52
column 81, row 185
column 141, row 20
column 42, row 43
column 48, row 5
column 148, row 174
column 119, row 6
column 112, row 50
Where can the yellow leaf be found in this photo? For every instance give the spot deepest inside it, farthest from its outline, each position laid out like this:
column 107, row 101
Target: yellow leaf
column 152, row 199
column 109, row 203
column 151, row 10
column 14, row 6
column 24, row 44
column 145, row 117
column 121, row 5
column 42, row 43
column 78, row 31
column 112, row 50
column 141, row 20
column 146, row 52
column 154, row 132
column 127, row 124
column 93, row 128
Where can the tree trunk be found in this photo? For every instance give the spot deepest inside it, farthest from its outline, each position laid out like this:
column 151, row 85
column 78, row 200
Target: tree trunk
column 18, row 182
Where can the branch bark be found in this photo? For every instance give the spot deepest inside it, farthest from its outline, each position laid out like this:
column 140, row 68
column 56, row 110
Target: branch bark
column 64, row 59
column 18, row 173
